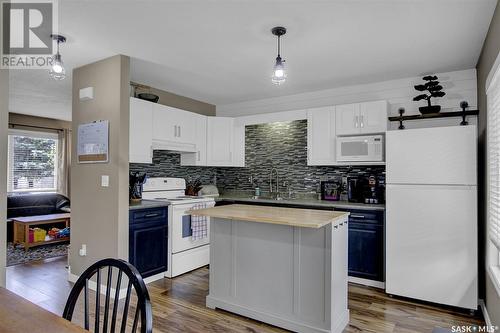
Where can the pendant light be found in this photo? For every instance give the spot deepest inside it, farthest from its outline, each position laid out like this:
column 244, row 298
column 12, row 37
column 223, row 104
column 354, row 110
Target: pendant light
column 279, row 73
column 57, row 71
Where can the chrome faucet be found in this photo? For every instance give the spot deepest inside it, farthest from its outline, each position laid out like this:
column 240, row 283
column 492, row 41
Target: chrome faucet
column 274, row 193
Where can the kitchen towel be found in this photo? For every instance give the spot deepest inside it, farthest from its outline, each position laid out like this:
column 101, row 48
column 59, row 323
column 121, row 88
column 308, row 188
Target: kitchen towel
column 199, row 224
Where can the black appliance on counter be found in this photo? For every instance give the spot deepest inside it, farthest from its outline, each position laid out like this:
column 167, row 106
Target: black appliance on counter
column 366, row 189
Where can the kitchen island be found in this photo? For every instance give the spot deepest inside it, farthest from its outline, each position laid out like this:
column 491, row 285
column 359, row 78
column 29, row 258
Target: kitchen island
column 283, row 266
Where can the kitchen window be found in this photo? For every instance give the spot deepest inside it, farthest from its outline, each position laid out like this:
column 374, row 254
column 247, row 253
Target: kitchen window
column 493, row 163
column 32, row 161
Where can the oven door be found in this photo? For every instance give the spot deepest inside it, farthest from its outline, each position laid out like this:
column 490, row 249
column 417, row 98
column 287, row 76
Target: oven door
column 181, row 228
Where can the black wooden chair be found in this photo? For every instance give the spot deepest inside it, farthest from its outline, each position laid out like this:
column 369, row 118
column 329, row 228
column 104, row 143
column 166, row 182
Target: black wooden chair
column 143, row 307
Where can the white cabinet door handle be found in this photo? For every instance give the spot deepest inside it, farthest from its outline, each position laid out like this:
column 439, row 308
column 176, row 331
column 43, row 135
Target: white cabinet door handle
column 362, row 122
column 356, row 121
column 175, row 130
column 179, row 131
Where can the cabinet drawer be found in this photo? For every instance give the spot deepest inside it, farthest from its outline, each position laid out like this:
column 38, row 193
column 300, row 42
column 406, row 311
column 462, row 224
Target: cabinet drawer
column 139, row 216
column 365, row 216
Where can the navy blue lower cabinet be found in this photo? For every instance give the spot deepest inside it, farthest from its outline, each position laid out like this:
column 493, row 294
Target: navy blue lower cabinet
column 148, row 240
column 366, row 244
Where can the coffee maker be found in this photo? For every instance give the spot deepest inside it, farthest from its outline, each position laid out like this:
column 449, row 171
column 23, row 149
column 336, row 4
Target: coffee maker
column 365, row 189
column 355, row 188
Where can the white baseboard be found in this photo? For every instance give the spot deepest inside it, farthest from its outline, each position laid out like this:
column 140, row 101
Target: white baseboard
column 123, row 291
column 155, row 277
column 366, row 282
column 486, row 316
column 93, row 286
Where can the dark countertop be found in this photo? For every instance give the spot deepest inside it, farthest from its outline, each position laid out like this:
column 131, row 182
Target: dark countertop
column 145, row 204
column 302, row 202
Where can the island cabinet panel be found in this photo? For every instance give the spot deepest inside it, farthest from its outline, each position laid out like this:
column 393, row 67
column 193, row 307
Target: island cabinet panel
column 291, row 277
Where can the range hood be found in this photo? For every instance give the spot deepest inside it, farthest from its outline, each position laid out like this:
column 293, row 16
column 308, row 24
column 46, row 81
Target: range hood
column 174, row 146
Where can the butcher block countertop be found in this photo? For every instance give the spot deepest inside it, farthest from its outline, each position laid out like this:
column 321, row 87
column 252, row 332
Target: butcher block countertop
column 295, row 217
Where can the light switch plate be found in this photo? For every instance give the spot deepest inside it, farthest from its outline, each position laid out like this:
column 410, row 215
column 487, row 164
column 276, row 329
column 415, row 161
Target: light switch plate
column 105, row 181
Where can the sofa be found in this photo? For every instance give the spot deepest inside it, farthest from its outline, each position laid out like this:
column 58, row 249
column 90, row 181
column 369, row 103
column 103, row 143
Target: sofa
column 31, row 204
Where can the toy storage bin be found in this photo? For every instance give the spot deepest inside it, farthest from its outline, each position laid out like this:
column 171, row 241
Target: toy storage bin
column 39, row 235
column 31, row 238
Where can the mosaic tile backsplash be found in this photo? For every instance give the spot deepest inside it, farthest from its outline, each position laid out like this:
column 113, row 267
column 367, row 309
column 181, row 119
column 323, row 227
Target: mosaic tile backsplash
column 281, row 145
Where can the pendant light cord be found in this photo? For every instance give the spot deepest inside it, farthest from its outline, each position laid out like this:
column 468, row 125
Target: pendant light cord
column 279, row 46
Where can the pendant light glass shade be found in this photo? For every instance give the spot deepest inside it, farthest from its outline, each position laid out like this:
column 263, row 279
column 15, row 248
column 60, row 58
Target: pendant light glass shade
column 279, row 73
column 57, row 71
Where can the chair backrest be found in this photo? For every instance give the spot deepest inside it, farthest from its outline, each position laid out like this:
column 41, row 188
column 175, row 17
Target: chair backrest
column 143, row 307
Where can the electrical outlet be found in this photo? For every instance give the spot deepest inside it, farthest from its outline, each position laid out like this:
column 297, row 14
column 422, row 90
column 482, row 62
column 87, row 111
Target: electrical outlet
column 83, row 250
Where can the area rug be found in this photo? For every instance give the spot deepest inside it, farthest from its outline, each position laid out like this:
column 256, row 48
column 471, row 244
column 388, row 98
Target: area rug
column 18, row 255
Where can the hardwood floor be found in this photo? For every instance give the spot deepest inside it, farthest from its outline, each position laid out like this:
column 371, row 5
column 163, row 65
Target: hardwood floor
column 179, row 304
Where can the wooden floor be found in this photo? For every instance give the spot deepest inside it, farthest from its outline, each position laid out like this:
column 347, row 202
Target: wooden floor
column 179, row 304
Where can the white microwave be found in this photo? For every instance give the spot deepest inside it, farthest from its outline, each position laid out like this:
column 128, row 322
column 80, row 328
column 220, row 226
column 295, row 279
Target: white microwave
column 368, row 148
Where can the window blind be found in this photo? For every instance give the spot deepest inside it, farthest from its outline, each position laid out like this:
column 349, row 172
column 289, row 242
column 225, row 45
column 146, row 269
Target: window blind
column 493, row 150
column 32, row 164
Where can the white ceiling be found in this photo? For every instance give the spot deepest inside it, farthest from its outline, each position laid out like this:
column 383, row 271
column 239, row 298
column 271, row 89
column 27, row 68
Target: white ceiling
column 222, row 51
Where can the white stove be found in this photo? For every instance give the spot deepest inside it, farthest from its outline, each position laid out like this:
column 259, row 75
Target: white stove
column 185, row 252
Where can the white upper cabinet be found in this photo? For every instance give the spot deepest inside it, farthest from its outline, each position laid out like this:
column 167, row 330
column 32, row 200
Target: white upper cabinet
column 373, row 117
column 173, row 129
column 140, row 131
column 321, row 136
column 347, row 119
column 186, row 122
column 198, row 158
column 361, row 118
column 238, row 145
column 164, row 125
column 220, row 141
column 201, row 140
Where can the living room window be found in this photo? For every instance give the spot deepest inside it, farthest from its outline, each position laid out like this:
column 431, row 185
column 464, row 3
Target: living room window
column 33, row 161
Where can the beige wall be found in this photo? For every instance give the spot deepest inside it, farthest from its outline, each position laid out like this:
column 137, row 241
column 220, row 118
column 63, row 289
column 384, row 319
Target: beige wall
column 27, row 120
column 99, row 215
column 490, row 51
column 181, row 102
column 4, row 111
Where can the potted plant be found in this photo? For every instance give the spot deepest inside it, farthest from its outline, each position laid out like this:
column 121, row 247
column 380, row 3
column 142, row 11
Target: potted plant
column 434, row 90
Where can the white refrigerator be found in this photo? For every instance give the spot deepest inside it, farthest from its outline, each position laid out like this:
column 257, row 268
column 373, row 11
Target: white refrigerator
column 431, row 215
